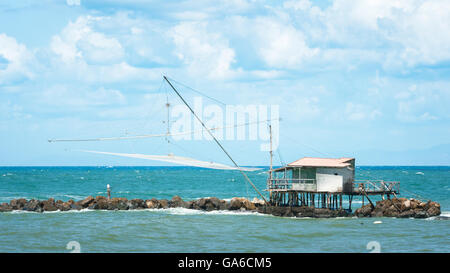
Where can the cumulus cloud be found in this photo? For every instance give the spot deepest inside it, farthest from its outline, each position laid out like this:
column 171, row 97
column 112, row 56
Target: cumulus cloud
column 281, row 45
column 203, row 52
column 79, row 42
column 15, row 61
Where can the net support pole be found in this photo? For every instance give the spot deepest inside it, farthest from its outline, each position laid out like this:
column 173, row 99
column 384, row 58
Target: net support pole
column 215, row 139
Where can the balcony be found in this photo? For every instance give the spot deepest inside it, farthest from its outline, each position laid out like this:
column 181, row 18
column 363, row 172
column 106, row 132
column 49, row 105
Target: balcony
column 296, row 184
column 375, row 187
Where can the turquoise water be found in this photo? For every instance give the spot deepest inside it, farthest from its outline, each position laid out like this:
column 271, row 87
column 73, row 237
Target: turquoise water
column 182, row 230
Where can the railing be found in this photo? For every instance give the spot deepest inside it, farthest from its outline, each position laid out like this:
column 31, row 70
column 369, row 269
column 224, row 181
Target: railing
column 376, row 186
column 290, row 183
column 369, row 186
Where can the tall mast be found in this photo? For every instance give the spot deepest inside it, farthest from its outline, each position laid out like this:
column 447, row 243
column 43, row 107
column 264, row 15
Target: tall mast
column 271, row 152
column 215, row 139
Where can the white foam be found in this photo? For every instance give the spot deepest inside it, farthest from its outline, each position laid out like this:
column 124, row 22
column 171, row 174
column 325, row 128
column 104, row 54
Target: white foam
column 185, row 211
column 445, row 213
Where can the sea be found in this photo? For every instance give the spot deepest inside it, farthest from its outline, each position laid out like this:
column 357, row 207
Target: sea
column 184, row 230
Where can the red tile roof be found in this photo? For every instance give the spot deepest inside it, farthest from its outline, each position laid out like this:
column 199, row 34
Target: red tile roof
column 321, row 162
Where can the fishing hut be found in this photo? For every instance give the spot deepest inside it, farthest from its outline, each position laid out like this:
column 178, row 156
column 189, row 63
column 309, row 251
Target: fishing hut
column 323, row 183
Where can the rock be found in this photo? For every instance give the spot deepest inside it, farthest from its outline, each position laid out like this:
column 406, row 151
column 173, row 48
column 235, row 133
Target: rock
column 224, row 205
column 177, row 202
column 422, row 205
column 200, row 204
column 99, row 203
column 434, row 210
column 86, row 202
column 258, row 202
column 152, row 204
column 117, row 204
column 49, row 205
column 215, row 202
column 364, row 211
column 33, row 205
column 62, row 206
column 414, row 203
column 18, row 204
column 136, row 204
column 163, row 204
column 407, row 214
column 406, row 205
column 75, row 206
column 4, row 207
column 377, row 212
column 421, row 214
column 249, row 205
column 392, row 211
column 236, row 203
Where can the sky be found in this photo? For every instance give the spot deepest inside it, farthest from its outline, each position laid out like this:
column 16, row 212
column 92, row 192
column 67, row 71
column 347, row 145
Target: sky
column 364, row 79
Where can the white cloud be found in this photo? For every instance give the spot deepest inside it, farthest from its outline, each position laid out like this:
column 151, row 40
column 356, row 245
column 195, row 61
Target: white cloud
column 357, row 112
column 423, row 102
column 12, row 111
column 73, row 2
column 79, row 42
column 203, row 52
column 282, row 46
column 15, row 60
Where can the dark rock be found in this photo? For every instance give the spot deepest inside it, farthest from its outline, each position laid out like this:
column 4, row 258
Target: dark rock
column 62, row 206
column 75, row 206
column 4, row 207
column 224, row 205
column 235, row 203
column 163, row 204
column 100, row 203
column 18, row 204
column 190, row 204
column 86, row 202
column 364, row 211
column 117, row 204
column 32, row 205
column 177, row 202
column 421, row 214
column 407, row 214
column 434, row 209
column 215, row 202
column 49, row 205
column 136, row 204
column 152, row 204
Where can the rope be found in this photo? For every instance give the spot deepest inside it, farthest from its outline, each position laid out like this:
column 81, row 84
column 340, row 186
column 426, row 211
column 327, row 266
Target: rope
column 423, row 198
column 217, row 142
column 196, row 91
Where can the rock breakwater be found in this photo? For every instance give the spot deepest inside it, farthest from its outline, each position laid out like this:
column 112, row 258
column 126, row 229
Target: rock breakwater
column 398, row 207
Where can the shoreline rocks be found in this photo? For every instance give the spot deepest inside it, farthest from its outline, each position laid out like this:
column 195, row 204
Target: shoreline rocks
column 397, row 207
column 400, row 208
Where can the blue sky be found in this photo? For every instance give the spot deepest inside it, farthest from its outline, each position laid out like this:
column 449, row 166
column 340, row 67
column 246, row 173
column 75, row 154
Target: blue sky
column 368, row 79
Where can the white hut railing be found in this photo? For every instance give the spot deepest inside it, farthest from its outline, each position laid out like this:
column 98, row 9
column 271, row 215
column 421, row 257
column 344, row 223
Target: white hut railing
column 376, row 186
column 292, row 184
